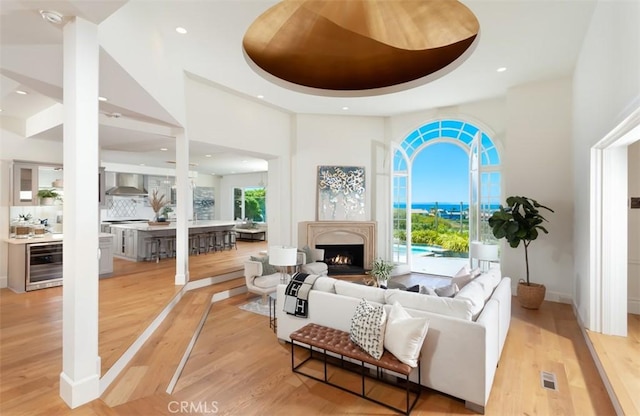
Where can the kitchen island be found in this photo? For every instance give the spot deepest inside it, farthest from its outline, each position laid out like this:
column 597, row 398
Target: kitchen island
column 144, row 241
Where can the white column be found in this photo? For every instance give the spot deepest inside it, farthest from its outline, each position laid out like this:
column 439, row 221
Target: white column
column 183, row 191
column 79, row 380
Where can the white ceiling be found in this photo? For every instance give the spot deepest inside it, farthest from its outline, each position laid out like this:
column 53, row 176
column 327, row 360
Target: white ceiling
column 534, row 40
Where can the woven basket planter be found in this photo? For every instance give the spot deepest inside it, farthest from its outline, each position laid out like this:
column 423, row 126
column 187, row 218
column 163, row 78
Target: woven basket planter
column 530, row 296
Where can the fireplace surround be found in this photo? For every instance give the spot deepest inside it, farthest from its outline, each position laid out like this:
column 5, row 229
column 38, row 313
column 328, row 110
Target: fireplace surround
column 314, row 233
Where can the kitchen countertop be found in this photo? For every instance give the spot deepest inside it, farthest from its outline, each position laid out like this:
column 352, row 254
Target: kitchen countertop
column 47, row 238
column 141, row 226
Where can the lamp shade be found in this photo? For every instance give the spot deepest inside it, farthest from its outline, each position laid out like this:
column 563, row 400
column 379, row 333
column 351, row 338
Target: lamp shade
column 282, row 256
column 481, row 251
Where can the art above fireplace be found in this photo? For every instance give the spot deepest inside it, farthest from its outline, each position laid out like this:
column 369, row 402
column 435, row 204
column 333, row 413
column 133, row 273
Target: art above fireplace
column 343, row 258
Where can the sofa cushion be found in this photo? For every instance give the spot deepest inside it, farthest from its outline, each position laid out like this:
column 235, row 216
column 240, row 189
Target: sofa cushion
column 355, row 290
column 474, row 293
column 457, row 308
column 325, row 284
column 367, row 328
column 267, row 269
column 404, row 335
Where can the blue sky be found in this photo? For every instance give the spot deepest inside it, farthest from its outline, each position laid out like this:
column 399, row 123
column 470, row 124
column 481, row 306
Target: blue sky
column 441, row 173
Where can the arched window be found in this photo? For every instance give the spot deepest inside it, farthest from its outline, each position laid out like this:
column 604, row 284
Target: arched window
column 484, row 193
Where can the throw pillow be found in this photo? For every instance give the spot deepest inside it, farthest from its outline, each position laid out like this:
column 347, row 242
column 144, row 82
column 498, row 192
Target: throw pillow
column 404, row 335
column 308, row 254
column 426, row 290
column 266, row 267
column 367, row 328
column 447, row 291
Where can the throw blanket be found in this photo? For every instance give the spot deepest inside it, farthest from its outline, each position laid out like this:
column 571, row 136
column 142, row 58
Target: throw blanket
column 296, row 299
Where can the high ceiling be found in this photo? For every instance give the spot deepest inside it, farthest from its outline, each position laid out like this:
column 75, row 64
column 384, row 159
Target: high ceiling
column 533, row 40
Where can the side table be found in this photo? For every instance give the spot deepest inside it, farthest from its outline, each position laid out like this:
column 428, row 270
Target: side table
column 272, row 311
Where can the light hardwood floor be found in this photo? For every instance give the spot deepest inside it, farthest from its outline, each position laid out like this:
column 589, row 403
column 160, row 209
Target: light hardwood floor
column 238, row 367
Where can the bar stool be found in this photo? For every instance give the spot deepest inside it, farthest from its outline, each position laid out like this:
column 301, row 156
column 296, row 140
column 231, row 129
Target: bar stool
column 230, row 236
column 153, row 248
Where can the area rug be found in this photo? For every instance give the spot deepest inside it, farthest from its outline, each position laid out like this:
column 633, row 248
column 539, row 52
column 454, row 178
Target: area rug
column 256, row 306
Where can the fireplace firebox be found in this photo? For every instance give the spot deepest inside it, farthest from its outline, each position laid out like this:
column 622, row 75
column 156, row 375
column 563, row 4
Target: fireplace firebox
column 343, row 258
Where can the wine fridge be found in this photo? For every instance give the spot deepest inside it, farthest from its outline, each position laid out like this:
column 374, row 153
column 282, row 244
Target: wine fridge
column 44, row 265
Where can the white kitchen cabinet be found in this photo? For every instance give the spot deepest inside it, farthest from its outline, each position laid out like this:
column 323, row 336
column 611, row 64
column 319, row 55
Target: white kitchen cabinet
column 106, row 255
column 126, row 242
column 25, row 184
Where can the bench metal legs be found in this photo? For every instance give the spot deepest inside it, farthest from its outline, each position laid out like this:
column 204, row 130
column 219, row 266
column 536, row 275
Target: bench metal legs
column 364, row 374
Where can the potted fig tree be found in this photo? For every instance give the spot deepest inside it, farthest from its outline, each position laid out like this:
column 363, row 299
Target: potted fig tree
column 520, row 222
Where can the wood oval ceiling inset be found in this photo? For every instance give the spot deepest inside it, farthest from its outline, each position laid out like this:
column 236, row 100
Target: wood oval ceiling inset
column 347, row 45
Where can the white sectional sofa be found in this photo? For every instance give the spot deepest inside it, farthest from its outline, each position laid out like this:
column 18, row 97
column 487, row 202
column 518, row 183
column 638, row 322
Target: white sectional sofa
column 465, row 337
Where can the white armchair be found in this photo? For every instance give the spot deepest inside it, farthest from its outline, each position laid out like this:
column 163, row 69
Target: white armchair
column 313, row 264
column 257, row 283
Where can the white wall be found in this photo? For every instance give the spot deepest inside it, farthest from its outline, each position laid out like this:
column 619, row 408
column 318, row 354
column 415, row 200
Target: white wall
column 537, row 164
column 606, row 90
column 334, row 141
column 633, row 288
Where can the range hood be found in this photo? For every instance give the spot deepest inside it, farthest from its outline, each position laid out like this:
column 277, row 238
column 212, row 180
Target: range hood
column 126, row 184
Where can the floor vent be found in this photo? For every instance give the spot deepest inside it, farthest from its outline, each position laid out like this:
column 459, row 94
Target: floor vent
column 548, row 380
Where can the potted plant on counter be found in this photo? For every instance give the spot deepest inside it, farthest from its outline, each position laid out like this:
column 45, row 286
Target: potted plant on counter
column 157, row 203
column 520, row 221
column 48, row 196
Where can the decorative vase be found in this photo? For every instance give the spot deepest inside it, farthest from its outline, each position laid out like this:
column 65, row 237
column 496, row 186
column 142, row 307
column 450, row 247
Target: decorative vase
column 530, row 296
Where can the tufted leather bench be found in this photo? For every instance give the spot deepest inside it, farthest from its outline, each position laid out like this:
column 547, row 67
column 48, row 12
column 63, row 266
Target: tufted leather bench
column 337, row 342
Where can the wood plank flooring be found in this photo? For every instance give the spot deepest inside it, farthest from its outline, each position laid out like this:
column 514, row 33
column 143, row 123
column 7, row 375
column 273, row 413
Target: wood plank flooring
column 620, row 357
column 239, row 367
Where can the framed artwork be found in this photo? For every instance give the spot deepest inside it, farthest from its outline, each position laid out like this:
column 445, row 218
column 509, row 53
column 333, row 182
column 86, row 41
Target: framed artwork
column 341, row 193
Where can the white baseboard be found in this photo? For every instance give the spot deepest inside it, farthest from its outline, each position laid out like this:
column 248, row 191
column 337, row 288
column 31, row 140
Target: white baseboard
column 3, row 282
column 633, row 306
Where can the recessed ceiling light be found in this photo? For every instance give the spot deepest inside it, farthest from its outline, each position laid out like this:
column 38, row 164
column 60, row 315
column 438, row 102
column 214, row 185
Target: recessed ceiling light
column 261, row 96
column 164, row 149
column 345, row 108
column 102, row 98
column 181, row 30
column 0, row 110
column 21, row 92
column 244, row 161
column 207, row 155
column 51, row 16
column 502, row 69
column 142, row 164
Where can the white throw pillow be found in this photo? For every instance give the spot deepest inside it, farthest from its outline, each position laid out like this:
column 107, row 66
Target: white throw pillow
column 367, row 328
column 404, row 335
column 447, row 291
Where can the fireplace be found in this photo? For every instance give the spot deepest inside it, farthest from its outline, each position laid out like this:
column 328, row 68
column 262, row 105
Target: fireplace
column 320, row 234
column 343, row 258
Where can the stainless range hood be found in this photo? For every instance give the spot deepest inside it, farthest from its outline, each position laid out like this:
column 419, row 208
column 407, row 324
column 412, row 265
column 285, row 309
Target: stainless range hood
column 126, row 184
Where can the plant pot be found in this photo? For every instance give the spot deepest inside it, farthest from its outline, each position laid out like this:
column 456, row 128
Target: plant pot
column 47, row 201
column 530, row 296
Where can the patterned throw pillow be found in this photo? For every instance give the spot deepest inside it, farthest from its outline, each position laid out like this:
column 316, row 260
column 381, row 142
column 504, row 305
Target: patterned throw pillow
column 367, row 328
column 267, row 269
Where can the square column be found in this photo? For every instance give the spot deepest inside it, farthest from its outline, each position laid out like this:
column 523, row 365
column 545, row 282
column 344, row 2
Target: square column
column 79, row 380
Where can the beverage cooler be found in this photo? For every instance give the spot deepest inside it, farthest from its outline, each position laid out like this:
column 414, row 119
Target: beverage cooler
column 44, row 265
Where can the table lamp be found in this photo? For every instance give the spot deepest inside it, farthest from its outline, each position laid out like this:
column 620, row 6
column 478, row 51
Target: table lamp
column 485, row 253
column 283, row 257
